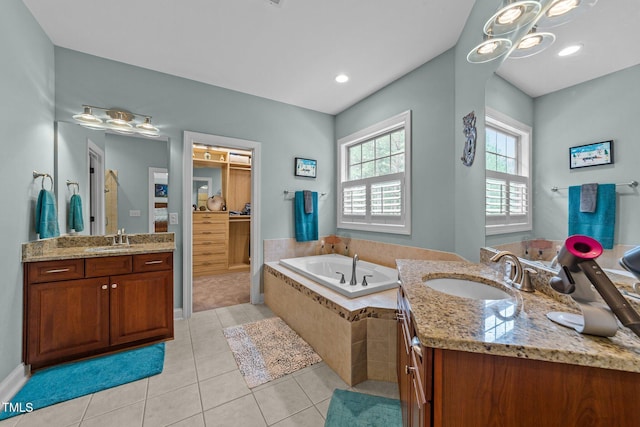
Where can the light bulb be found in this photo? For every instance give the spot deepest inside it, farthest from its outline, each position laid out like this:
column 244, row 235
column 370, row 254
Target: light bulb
column 561, row 7
column 570, row 50
column 529, row 41
column 511, row 15
column 342, row 78
column 487, row 48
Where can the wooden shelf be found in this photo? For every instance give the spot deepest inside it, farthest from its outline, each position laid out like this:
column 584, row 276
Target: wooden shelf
column 239, row 218
column 202, row 163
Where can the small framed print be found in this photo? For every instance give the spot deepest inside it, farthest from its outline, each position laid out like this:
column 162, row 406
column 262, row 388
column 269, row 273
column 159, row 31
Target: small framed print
column 599, row 153
column 305, row 167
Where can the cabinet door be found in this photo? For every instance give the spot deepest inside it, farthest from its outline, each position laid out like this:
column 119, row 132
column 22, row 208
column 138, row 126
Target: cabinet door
column 66, row 318
column 141, row 307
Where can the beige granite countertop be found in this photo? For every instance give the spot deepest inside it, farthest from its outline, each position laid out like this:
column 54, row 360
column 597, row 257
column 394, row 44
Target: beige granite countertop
column 516, row 328
column 70, row 247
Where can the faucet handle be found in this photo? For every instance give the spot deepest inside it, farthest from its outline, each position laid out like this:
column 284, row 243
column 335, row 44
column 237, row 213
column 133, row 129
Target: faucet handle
column 342, row 277
column 526, row 285
column 364, row 279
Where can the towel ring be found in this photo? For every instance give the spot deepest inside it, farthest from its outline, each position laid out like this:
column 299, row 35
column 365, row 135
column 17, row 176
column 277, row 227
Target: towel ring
column 43, row 175
column 76, row 186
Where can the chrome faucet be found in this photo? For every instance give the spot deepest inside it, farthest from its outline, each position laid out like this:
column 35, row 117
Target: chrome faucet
column 353, row 280
column 517, row 278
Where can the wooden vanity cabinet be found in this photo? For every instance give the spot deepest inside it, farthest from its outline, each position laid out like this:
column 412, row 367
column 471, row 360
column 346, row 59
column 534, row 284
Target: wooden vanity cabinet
column 110, row 303
column 474, row 389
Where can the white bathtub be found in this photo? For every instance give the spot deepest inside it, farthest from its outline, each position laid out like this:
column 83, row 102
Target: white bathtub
column 323, row 268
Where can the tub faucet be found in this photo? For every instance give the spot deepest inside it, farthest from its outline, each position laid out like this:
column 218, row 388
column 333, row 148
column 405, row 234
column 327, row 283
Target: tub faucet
column 353, row 280
column 517, row 279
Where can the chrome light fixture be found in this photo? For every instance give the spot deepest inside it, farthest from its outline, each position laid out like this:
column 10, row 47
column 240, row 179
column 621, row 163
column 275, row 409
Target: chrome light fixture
column 562, row 11
column 532, row 43
column 117, row 120
column 511, row 17
column 490, row 49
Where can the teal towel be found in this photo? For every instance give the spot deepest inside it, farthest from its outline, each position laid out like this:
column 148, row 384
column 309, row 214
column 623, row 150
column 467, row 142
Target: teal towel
column 306, row 223
column 599, row 224
column 46, row 215
column 74, row 215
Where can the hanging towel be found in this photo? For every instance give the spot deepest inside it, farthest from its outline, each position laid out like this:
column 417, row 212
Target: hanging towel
column 46, row 215
column 588, row 197
column 74, row 215
column 306, row 223
column 308, row 201
column 600, row 224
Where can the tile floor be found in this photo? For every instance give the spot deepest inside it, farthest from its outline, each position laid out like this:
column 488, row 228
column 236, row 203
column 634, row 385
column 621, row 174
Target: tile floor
column 221, row 290
column 202, row 386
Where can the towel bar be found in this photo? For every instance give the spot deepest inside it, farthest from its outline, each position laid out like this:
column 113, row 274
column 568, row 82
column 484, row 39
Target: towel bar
column 632, row 184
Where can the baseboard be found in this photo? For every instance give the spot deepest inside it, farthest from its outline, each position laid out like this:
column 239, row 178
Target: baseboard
column 13, row 383
column 177, row 314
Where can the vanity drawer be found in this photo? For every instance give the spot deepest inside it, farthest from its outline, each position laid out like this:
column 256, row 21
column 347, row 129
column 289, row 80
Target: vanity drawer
column 153, row 262
column 108, row 266
column 53, row 271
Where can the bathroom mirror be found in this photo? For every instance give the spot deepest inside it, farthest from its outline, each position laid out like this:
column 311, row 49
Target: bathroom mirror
column 117, row 193
column 201, row 192
column 582, row 114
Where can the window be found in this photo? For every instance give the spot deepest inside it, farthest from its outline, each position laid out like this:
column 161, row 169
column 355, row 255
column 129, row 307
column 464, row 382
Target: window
column 374, row 177
column 508, row 178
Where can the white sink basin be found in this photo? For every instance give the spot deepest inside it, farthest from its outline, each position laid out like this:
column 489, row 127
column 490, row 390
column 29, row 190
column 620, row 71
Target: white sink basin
column 467, row 289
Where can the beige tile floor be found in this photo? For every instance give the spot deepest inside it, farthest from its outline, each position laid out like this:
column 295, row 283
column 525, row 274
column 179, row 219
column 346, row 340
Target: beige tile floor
column 202, row 386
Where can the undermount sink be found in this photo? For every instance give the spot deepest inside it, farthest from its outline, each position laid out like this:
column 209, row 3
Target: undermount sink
column 466, row 288
column 106, row 249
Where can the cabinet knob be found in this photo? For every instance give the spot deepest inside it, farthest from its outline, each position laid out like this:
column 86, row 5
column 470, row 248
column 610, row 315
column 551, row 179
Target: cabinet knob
column 104, row 286
column 114, row 285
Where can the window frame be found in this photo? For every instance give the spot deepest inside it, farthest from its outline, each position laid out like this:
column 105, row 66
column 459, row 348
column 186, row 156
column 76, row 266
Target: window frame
column 381, row 224
column 511, row 223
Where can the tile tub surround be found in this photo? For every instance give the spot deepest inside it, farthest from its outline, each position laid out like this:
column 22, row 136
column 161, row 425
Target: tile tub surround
column 70, row 247
column 356, row 337
column 454, row 323
column 376, row 252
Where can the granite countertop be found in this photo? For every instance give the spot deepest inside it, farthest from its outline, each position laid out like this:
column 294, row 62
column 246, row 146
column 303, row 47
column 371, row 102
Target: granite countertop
column 73, row 247
column 516, row 327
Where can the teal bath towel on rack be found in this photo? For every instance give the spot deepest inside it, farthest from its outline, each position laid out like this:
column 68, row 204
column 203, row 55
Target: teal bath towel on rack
column 599, row 224
column 74, row 215
column 46, row 215
column 306, row 223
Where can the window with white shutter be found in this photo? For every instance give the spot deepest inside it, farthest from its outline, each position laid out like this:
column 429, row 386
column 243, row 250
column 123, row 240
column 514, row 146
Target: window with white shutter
column 508, row 178
column 374, row 177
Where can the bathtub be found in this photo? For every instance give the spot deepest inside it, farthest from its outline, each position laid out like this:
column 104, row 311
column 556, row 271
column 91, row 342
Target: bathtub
column 323, row 268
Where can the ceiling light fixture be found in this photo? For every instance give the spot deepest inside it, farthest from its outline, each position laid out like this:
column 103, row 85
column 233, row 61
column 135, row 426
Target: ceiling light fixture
column 117, row 120
column 562, row 11
column 570, row 50
column 489, row 50
column 512, row 16
column 532, row 43
column 342, row 78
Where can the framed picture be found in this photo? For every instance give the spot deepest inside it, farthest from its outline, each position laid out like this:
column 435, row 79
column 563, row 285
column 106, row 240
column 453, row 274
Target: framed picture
column 162, row 190
column 305, row 167
column 598, row 153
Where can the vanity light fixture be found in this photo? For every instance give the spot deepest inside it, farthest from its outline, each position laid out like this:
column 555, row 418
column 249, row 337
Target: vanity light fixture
column 490, row 49
column 117, row 120
column 514, row 15
column 532, row 43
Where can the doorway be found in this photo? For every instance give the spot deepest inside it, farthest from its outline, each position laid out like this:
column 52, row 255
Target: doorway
column 240, row 220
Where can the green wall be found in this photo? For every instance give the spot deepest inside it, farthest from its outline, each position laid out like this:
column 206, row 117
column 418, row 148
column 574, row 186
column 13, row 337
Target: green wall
column 26, row 135
column 428, row 93
column 597, row 110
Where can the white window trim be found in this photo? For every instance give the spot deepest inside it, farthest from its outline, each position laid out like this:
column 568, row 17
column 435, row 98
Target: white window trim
column 352, row 223
column 502, row 121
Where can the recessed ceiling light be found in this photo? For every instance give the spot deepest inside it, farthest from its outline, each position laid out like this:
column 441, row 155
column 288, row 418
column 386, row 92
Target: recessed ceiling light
column 342, row 78
column 570, row 50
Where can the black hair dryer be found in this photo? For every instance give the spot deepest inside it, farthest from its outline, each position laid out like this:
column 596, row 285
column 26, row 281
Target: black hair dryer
column 578, row 271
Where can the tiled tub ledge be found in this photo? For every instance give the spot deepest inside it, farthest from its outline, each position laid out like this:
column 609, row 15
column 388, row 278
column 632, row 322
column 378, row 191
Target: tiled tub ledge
column 355, row 337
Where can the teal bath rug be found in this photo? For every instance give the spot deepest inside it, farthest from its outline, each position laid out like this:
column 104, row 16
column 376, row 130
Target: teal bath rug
column 348, row 408
column 65, row 382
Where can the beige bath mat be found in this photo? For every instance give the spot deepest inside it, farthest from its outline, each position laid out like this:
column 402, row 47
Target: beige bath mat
column 268, row 349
